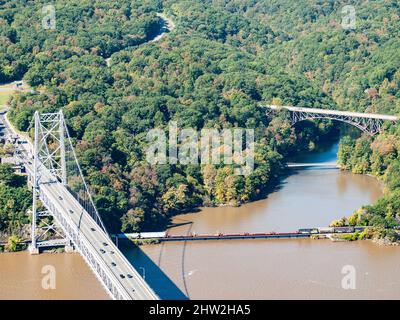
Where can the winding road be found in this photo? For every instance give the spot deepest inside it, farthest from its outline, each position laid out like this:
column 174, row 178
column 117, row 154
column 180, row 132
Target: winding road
column 168, row 26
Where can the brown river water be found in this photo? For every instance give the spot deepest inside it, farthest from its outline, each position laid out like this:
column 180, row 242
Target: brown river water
column 242, row 269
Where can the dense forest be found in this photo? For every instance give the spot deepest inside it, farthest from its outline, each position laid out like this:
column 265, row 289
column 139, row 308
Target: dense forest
column 213, row 70
column 15, row 200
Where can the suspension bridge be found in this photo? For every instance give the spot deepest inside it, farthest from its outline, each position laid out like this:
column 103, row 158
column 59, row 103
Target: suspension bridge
column 369, row 123
column 62, row 206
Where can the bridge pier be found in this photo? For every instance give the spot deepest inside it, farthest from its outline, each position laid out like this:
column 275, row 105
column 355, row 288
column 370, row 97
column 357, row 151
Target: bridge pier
column 69, row 248
column 33, row 250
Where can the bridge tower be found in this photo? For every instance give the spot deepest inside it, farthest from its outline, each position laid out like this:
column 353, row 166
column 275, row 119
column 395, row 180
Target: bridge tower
column 53, row 153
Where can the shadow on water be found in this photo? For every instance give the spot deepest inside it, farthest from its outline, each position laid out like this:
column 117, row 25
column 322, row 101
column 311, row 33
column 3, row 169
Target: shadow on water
column 162, row 285
column 172, row 225
column 293, row 171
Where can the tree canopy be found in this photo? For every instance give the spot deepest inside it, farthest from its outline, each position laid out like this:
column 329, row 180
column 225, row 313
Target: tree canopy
column 221, row 61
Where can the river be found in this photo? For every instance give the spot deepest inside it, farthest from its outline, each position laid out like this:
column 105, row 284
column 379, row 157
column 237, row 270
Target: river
column 279, row 269
column 243, row 269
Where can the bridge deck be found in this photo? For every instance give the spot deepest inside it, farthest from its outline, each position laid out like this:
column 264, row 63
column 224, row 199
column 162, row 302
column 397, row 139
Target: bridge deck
column 135, row 287
column 334, row 112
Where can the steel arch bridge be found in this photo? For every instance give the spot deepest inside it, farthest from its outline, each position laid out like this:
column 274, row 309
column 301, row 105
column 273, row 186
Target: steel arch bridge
column 369, row 123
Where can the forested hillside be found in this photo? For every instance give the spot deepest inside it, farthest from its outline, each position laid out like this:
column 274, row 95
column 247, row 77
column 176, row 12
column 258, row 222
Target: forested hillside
column 97, row 27
column 15, row 200
column 222, row 59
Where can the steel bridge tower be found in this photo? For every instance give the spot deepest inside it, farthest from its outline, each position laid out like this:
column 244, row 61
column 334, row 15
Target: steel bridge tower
column 53, row 152
column 61, row 199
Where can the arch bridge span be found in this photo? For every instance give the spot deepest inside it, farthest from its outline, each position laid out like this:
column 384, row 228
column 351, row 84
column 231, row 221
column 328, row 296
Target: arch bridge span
column 370, row 123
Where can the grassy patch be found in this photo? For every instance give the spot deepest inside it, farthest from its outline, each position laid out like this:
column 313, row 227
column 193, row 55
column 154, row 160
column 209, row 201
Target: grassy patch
column 350, row 237
column 4, row 96
column 6, row 91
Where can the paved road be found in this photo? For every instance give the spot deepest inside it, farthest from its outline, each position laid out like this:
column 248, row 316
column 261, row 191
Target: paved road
column 3, row 127
column 112, row 260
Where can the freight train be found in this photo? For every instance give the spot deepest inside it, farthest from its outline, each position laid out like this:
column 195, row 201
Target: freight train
column 299, row 233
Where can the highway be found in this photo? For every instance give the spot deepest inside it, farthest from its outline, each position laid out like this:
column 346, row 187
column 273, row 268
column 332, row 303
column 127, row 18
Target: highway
column 112, row 262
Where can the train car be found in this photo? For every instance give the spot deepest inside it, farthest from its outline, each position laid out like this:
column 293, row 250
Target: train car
column 173, row 236
column 359, row 229
column 343, row 229
column 308, row 230
column 326, row 230
column 152, row 235
column 235, row 235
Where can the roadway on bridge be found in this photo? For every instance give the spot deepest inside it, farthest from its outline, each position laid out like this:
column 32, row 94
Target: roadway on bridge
column 132, row 282
column 113, row 260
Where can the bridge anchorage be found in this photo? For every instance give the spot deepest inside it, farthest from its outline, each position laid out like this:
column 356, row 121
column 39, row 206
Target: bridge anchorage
column 367, row 122
column 62, row 202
